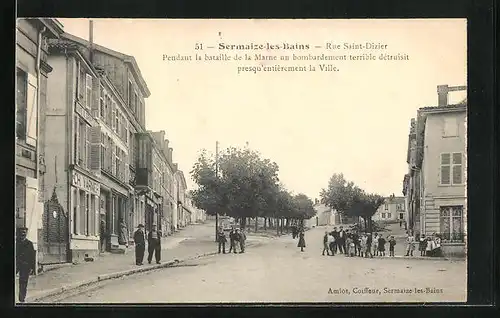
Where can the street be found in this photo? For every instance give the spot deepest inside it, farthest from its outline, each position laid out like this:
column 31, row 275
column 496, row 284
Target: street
column 276, row 271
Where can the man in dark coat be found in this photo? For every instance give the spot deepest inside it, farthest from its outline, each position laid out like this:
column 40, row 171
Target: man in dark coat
column 140, row 244
column 236, row 237
column 25, row 261
column 243, row 238
column 357, row 244
column 232, row 247
column 341, row 241
column 335, row 235
column 154, row 245
column 221, row 239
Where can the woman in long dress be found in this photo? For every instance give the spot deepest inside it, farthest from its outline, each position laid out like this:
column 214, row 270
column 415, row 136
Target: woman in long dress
column 123, row 238
column 302, row 241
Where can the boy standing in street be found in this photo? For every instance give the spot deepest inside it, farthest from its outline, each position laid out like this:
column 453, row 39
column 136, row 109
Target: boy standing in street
column 154, row 245
column 221, row 239
column 25, row 261
column 392, row 243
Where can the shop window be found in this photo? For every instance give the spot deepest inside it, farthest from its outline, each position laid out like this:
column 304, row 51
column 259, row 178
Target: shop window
column 76, row 209
column 82, row 217
column 451, row 223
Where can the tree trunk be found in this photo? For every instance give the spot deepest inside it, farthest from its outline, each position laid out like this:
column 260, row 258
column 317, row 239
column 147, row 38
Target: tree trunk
column 277, row 227
column 256, row 224
column 265, row 223
column 243, row 223
column 366, row 228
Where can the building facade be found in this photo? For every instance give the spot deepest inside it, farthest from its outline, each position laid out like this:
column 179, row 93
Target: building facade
column 393, row 209
column 32, row 72
column 183, row 214
column 436, row 183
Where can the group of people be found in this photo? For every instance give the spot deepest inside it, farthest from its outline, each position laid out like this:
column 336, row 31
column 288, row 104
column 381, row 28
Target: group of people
column 427, row 245
column 356, row 244
column 236, row 237
column 154, row 245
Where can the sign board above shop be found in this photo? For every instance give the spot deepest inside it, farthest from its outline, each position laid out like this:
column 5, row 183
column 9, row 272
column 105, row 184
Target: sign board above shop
column 85, row 183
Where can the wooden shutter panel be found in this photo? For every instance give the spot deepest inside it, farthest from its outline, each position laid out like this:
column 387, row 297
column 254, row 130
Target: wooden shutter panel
column 96, row 94
column 113, row 114
column 31, row 111
column 95, row 149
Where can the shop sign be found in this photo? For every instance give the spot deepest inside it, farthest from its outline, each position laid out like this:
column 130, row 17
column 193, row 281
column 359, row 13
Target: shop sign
column 83, row 182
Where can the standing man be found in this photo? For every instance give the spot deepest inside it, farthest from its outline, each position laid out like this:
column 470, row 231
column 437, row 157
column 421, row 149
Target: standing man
column 140, row 244
column 341, row 240
column 154, row 245
column 232, row 247
column 221, row 239
column 325, row 245
column 236, row 236
column 335, row 235
column 25, row 261
column 102, row 235
column 243, row 238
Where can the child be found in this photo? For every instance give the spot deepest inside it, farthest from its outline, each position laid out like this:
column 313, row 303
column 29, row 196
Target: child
column 364, row 240
column 375, row 244
column 392, row 243
column 352, row 247
column 381, row 245
column 349, row 246
column 410, row 240
column 422, row 245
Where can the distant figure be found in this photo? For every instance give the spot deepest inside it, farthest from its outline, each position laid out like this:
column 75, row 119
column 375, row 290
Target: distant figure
column 154, row 245
column 351, row 247
column 25, row 261
column 410, row 241
column 221, row 239
column 331, row 244
column 243, row 238
column 140, row 244
column 232, row 247
column 392, row 243
column 325, row 245
column 302, row 241
column 422, row 245
column 363, row 244
column 294, row 231
column 341, row 240
column 406, row 226
column 400, row 223
column 375, row 244
column 123, row 238
column 369, row 240
column 336, row 239
column 381, row 245
column 102, row 235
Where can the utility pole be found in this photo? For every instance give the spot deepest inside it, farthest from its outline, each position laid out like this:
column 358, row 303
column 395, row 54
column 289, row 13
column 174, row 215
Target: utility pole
column 216, row 176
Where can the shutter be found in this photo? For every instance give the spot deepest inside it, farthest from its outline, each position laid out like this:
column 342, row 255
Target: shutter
column 31, row 111
column 95, row 149
column 96, row 89
column 457, row 168
column 113, row 160
column 87, row 146
column 33, row 209
column 113, row 114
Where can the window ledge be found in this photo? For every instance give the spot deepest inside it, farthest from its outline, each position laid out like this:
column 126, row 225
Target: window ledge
column 84, row 237
column 451, row 185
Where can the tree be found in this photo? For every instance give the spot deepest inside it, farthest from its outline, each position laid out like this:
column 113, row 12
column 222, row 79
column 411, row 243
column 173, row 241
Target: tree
column 245, row 186
column 350, row 200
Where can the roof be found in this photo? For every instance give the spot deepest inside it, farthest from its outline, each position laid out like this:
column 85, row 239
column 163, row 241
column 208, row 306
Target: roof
column 128, row 59
column 53, row 26
column 462, row 106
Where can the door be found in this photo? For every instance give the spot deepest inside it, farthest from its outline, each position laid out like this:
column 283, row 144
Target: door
column 55, row 233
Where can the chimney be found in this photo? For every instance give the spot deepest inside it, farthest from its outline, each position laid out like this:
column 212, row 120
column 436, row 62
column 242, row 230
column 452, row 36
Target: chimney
column 176, row 167
column 442, row 91
column 165, row 147
column 169, row 156
column 91, row 41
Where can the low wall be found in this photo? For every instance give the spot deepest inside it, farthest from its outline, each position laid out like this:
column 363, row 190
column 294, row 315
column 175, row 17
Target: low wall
column 453, row 250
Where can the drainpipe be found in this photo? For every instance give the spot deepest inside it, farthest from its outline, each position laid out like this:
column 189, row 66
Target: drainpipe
column 38, row 90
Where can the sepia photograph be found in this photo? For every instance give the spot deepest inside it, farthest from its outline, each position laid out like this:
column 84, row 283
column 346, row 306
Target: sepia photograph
column 188, row 161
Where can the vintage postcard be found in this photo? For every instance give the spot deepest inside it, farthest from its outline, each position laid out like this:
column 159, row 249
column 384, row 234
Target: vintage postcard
column 241, row 161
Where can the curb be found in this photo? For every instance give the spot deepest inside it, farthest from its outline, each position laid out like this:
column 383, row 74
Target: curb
column 104, row 277
column 413, row 258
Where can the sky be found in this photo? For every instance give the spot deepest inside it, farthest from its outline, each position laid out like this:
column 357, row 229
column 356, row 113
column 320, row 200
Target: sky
column 312, row 124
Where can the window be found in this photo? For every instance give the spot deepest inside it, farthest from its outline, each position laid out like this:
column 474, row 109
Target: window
column 83, row 213
column 386, row 206
column 103, row 150
column 451, row 223
column 88, row 91
column 451, row 168
column 113, row 115
column 389, row 215
column 401, row 216
column 81, row 84
column 117, row 119
column 383, row 215
column 130, row 95
column 21, row 103
column 87, row 148
column 136, row 104
column 76, row 209
column 450, row 127
column 82, row 143
column 87, row 214
column 20, row 201
column 108, row 110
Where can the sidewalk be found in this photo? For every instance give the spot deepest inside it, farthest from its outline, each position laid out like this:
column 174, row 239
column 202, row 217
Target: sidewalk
column 110, row 266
